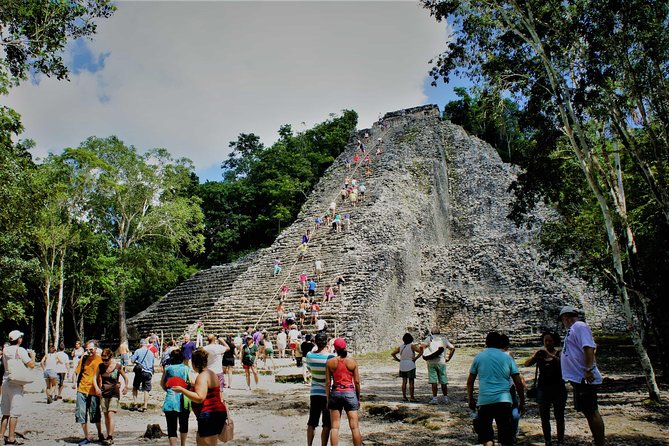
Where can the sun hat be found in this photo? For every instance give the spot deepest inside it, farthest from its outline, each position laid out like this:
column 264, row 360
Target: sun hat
column 568, row 309
column 14, row 335
column 339, row 344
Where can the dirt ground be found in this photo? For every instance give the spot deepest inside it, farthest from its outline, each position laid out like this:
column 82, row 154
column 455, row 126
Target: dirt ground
column 276, row 413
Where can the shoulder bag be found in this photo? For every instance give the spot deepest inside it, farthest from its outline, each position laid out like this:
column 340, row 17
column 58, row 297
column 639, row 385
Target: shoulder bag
column 137, row 368
column 228, row 432
column 17, row 372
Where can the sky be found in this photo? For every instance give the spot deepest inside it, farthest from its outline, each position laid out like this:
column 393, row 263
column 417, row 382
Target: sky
column 190, row 76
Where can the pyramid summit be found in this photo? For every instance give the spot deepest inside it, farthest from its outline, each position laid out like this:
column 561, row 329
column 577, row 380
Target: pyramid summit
column 430, row 244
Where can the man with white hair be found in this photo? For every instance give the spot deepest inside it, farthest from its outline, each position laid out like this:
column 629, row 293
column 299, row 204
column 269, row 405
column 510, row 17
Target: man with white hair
column 12, row 393
column 143, row 359
column 579, row 368
column 87, row 407
column 433, row 349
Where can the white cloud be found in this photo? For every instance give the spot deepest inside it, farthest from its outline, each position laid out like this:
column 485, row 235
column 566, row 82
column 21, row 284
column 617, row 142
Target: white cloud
column 191, row 76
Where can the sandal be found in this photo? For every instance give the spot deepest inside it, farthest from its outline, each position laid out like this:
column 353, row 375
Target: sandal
column 13, row 442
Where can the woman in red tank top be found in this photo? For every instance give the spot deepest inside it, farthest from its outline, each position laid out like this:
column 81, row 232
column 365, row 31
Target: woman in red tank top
column 208, row 407
column 342, row 388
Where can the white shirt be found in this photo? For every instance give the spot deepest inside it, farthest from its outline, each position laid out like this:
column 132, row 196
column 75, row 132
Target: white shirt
column 318, row 264
column 433, row 343
column 215, row 357
column 572, row 358
column 321, row 324
column 281, row 339
column 50, row 363
column 61, row 367
column 11, row 352
column 293, row 335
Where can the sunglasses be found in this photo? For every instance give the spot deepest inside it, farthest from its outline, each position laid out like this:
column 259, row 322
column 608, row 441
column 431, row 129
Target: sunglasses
column 106, row 359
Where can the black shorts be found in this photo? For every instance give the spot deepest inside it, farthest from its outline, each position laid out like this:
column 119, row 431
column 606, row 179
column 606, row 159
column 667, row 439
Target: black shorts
column 211, row 423
column 142, row 381
column 61, row 379
column 312, row 292
column 318, row 409
column 501, row 413
column 585, row 397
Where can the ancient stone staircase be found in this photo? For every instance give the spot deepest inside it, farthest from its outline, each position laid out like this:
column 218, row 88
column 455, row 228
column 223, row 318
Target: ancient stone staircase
column 430, row 244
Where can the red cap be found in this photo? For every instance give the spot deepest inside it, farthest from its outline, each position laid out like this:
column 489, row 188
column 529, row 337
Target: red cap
column 339, row 344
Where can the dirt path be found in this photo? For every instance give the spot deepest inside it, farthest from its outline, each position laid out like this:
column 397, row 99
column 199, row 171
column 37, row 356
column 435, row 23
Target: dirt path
column 276, row 414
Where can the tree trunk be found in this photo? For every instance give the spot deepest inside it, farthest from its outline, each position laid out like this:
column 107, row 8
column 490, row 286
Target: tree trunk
column 47, row 313
column 122, row 326
column 584, row 154
column 59, row 306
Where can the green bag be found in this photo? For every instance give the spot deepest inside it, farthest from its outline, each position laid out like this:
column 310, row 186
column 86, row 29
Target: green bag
column 187, row 404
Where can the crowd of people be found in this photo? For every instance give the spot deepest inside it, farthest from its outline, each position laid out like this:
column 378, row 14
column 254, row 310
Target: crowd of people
column 194, row 379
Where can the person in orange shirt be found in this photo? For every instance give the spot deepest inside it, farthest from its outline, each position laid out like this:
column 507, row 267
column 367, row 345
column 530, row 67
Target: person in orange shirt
column 88, row 402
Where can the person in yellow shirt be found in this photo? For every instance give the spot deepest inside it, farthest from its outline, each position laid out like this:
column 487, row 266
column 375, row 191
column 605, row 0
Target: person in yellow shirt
column 88, row 400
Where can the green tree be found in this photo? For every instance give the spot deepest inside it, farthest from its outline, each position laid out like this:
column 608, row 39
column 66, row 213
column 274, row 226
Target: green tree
column 137, row 201
column 264, row 187
column 576, row 63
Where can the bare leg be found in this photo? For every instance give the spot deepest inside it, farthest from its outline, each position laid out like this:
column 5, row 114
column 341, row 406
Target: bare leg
column 596, row 427
column 411, row 388
column 184, row 436
column 146, row 399
column 355, row 427
column 335, row 416
column 311, row 431
column 84, row 427
column 404, row 388
column 434, row 390
column 325, row 435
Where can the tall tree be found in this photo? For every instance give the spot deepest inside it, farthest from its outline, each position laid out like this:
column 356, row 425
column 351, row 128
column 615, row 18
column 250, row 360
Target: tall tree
column 568, row 56
column 137, row 200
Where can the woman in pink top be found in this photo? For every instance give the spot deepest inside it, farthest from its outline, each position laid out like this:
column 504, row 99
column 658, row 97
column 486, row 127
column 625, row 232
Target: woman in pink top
column 342, row 389
column 303, row 281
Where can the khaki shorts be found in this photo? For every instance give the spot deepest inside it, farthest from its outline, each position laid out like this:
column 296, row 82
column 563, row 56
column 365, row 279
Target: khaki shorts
column 109, row 404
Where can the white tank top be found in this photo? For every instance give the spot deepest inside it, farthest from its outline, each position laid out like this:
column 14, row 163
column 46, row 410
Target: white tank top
column 406, row 358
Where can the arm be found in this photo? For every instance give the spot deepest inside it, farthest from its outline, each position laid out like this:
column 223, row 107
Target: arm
column 470, row 391
column 356, row 379
column 451, row 352
column 394, row 354
column 328, row 377
column 200, row 390
column 97, row 382
column 589, row 364
column 42, row 363
column 417, row 349
column 162, row 382
column 533, row 359
column 124, row 388
column 520, row 390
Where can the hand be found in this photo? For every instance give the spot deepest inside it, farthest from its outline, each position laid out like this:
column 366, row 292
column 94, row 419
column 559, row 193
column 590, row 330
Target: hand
column 589, row 376
column 178, row 389
column 472, row 404
column 124, row 391
column 98, row 392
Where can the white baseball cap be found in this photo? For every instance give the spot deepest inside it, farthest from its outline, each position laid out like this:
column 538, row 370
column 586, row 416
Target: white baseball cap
column 14, row 335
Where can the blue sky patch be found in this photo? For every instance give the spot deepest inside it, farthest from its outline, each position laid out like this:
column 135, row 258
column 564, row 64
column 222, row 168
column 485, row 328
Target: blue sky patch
column 83, row 59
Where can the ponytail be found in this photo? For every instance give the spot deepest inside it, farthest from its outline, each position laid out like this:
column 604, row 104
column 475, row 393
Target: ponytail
column 342, row 353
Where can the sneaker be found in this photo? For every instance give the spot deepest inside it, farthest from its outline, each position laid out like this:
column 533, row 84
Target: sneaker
column 443, row 400
column 434, row 400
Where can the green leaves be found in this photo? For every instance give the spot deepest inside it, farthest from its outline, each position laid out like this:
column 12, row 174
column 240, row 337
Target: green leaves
column 264, row 187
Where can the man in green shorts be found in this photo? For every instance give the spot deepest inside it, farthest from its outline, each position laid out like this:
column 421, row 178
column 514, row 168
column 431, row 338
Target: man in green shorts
column 433, row 349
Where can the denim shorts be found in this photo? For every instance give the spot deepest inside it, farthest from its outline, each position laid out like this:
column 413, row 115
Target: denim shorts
column 343, row 400
column 211, row 423
column 88, row 406
column 50, row 374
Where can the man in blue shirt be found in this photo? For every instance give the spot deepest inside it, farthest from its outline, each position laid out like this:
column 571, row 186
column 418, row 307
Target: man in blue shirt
column 143, row 357
column 494, row 369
